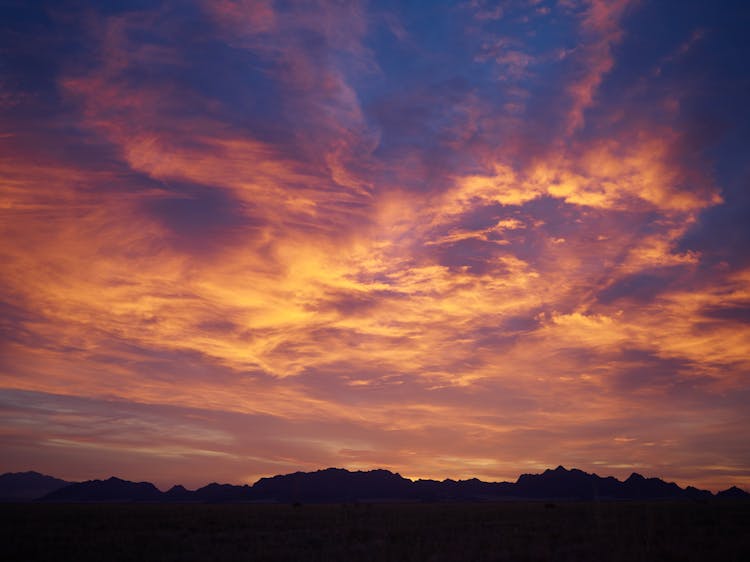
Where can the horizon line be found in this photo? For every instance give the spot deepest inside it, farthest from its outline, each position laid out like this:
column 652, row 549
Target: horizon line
column 396, row 473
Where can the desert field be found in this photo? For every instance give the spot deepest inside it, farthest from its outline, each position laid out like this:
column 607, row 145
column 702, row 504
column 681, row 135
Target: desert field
column 377, row 532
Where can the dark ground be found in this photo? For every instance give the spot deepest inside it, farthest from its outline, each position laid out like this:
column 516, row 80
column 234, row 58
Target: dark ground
column 359, row 532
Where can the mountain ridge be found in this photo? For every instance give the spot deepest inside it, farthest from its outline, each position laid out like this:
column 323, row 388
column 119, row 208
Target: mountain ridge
column 29, row 485
column 334, row 485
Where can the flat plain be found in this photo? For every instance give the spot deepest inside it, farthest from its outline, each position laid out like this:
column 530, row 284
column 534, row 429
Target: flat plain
column 626, row 531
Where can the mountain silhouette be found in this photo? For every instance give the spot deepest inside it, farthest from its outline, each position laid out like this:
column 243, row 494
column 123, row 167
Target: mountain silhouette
column 214, row 493
column 26, row 486
column 178, row 493
column 110, row 490
column 733, row 493
column 639, row 487
column 696, row 494
column 461, row 490
column 561, row 483
column 334, row 485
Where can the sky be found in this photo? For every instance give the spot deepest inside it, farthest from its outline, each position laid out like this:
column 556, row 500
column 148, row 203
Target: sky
column 241, row 238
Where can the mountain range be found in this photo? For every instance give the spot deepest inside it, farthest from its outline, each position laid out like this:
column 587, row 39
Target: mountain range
column 334, row 485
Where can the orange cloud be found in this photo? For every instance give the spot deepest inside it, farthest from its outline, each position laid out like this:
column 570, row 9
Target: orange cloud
column 600, row 25
column 473, row 305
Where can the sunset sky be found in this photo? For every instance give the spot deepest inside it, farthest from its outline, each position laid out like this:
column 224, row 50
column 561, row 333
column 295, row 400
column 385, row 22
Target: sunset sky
column 241, row 238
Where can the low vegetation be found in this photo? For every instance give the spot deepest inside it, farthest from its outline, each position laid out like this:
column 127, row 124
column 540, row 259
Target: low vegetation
column 626, row 531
